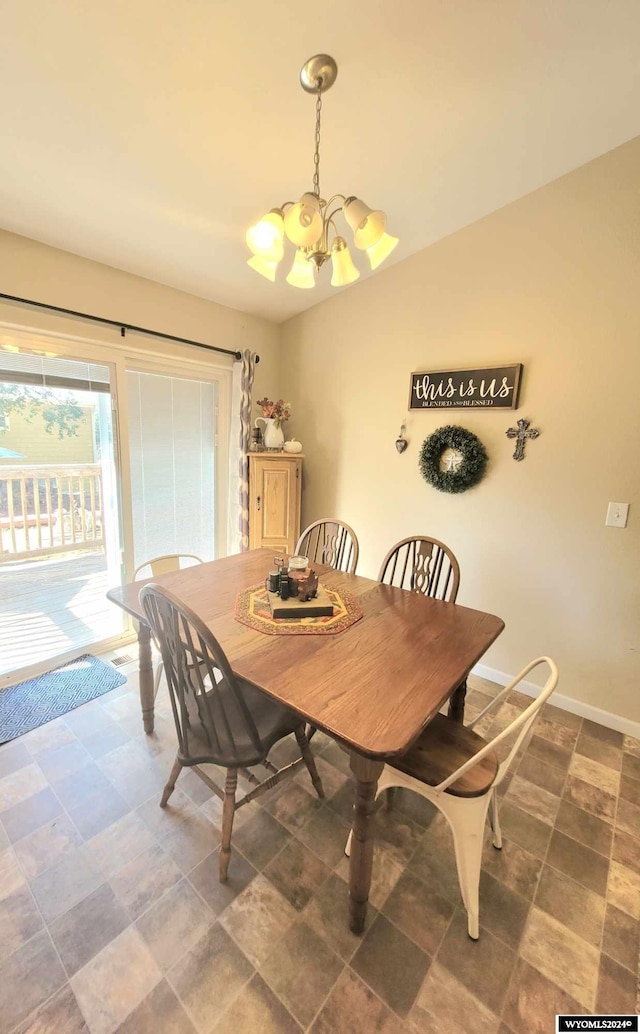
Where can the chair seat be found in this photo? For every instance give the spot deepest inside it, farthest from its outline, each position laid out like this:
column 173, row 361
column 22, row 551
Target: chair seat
column 443, row 747
column 228, row 742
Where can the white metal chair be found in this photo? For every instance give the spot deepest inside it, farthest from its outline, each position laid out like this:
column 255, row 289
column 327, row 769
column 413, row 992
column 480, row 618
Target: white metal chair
column 459, row 772
column 164, row 565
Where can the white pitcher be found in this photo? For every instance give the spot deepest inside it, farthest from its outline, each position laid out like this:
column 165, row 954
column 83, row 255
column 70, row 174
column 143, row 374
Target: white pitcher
column 273, row 436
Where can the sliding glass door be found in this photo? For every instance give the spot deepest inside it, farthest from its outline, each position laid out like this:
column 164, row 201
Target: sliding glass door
column 60, row 543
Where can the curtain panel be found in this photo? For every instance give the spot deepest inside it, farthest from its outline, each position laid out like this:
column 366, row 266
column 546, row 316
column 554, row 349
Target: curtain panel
column 247, row 372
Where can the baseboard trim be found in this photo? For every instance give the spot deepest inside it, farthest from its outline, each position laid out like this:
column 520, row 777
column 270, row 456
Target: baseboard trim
column 594, row 714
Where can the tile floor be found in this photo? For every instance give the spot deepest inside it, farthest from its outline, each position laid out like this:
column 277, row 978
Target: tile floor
column 112, row 919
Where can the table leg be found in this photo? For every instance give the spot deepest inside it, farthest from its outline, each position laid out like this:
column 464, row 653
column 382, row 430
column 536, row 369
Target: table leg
column 366, row 773
column 456, row 702
column 145, row 667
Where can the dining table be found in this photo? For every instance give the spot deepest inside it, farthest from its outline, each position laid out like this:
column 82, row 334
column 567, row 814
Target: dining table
column 372, row 687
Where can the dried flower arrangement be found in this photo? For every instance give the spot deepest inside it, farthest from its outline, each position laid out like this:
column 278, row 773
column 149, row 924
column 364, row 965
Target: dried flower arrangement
column 278, row 411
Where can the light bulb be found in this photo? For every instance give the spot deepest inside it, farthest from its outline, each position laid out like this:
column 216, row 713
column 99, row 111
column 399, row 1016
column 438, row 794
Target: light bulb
column 301, row 273
column 344, row 271
column 381, row 250
column 265, row 237
column 263, row 267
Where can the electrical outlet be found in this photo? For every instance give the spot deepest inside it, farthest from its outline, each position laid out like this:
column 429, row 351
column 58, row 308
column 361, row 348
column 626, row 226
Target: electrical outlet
column 617, row 514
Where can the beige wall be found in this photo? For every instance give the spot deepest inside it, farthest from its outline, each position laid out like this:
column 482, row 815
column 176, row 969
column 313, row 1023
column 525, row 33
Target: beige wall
column 29, row 269
column 552, row 281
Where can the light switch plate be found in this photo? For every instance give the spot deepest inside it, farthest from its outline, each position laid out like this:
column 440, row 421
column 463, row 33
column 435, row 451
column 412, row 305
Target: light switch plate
column 617, row 514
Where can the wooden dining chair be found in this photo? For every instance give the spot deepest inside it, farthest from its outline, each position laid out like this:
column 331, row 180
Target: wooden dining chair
column 459, row 772
column 422, row 564
column 164, row 565
column 330, row 542
column 220, row 719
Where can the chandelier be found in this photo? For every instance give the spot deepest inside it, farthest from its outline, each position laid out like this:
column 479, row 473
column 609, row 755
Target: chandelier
column 310, row 222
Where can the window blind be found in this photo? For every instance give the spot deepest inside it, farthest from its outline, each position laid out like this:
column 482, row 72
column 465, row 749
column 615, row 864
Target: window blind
column 45, row 372
column 172, row 456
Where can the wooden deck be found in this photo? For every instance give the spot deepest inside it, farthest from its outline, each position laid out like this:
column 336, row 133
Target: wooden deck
column 48, row 607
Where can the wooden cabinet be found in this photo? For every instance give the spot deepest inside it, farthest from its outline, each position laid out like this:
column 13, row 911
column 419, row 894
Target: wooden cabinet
column 275, row 482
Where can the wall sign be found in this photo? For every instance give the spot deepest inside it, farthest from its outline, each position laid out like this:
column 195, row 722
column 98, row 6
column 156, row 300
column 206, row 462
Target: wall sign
column 493, row 388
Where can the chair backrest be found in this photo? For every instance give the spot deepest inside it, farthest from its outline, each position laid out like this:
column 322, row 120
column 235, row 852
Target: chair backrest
column 212, row 717
column 421, row 564
column 330, row 542
column 522, row 724
column 166, row 564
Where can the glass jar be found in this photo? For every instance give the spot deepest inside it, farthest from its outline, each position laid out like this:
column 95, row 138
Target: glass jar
column 298, row 563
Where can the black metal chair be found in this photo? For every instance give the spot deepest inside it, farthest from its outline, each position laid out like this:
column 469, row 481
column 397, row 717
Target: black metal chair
column 422, row 564
column 220, row 719
column 330, row 542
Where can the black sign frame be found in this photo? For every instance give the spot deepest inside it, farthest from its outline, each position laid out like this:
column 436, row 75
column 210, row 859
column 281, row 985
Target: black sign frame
column 496, row 387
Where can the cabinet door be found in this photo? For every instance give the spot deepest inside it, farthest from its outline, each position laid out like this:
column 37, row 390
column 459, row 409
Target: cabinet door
column 274, row 517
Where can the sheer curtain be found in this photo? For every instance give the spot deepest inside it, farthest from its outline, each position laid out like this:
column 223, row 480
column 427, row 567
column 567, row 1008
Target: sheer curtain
column 243, row 374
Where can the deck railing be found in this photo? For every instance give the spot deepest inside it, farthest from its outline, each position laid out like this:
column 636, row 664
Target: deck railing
column 49, row 509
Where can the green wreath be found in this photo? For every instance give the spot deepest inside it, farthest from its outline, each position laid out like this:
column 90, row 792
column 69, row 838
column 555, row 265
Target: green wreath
column 468, row 473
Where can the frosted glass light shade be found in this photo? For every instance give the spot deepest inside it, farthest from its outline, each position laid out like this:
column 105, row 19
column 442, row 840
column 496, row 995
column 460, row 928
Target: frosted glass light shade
column 303, row 221
column 263, row 267
column 344, row 271
column 381, row 250
column 367, row 226
column 265, row 237
column 301, row 272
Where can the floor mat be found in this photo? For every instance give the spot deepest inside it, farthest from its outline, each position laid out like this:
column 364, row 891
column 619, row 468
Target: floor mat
column 32, row 703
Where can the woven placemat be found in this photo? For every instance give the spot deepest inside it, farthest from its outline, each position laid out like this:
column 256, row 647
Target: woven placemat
column 252, row 609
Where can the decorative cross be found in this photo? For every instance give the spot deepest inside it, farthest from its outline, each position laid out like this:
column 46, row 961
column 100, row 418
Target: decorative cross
column 452, row 460
column 521, row 433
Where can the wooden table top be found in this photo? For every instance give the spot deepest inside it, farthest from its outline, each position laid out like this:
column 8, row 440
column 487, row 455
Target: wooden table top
column 375, row 685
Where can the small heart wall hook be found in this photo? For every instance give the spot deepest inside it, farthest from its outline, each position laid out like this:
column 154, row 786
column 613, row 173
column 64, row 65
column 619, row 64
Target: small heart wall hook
column 401, row 441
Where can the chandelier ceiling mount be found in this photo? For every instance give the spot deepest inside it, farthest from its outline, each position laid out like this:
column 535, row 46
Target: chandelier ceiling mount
column 310, row 223
column 318, row 74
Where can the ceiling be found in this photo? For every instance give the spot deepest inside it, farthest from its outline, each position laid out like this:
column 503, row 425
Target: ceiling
column 148, row 135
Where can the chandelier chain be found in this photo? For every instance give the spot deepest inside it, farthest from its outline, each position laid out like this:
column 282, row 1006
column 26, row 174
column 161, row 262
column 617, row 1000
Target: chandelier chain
column 316, row 157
